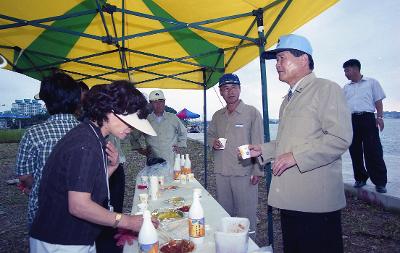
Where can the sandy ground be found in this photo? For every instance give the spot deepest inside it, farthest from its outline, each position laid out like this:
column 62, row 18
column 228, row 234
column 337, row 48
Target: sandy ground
column 365, row 228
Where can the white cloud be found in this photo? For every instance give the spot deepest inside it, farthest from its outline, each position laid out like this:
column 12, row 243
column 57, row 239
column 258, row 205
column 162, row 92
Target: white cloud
column 16, row 86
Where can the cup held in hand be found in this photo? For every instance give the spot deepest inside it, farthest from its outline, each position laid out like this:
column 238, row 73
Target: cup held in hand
column 223, row 142
column 244, row 151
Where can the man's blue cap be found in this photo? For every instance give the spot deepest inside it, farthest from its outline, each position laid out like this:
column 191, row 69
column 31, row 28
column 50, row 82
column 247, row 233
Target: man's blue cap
column 229, row 79
column 291, row 41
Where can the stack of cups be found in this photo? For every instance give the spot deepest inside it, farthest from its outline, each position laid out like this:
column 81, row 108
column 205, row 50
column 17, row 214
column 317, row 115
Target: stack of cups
column 183, row 178
column 154, row 187
column 190, row 177
column 144, row 182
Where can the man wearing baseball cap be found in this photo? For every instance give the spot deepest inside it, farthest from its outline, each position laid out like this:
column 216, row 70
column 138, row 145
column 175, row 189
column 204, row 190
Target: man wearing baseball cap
column 236, row 179
column 314, row 131
column 171, row 133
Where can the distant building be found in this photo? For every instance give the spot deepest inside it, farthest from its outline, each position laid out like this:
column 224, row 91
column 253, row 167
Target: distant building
column 3, row 123
column 27, row 107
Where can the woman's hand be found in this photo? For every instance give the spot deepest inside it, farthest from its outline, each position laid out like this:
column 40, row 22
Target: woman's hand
column 112, row 154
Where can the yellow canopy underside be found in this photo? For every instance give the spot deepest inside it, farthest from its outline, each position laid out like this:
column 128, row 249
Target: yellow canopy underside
column 164, row 44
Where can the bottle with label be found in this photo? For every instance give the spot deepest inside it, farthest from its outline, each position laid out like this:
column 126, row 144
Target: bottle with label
column 148, row 238
column 187, row 168
column 197, row 229
column 177, row 167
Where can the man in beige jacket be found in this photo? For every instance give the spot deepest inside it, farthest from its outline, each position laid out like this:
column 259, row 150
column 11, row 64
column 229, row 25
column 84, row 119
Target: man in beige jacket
column 314, row 131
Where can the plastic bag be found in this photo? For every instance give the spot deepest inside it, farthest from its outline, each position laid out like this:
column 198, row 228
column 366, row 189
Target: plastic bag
column 157, row 169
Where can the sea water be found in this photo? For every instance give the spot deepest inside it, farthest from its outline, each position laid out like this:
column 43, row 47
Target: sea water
column 390, row 139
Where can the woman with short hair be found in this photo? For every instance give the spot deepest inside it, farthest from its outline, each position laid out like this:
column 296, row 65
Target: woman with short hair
column 74, row 196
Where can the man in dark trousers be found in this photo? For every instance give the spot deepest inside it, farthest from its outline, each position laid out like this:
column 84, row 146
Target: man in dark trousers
column 364, row 95
column 314, row 131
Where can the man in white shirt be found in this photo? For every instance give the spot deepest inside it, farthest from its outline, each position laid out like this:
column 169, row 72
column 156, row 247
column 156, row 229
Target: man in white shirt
column 171, row 133
column 364, row 95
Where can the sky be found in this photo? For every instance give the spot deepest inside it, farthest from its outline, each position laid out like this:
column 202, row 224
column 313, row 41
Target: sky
column 363, row 29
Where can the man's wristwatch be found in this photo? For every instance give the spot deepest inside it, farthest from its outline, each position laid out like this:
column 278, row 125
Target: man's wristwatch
column 118, row 218
column 379, row 117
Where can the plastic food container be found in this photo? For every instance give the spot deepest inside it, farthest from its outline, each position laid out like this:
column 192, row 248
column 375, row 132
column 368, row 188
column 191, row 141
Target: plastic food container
column 232, row 235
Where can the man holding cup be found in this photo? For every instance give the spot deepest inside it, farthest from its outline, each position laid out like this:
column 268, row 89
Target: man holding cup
column 232, row 126
column 314, row 131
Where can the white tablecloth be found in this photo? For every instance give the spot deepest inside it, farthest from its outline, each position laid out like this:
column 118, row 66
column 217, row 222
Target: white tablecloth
column 213, row 212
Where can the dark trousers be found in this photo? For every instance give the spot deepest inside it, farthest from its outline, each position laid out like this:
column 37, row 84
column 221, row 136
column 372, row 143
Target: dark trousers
column 311, row 232
column 105, row 242
column 366, row 146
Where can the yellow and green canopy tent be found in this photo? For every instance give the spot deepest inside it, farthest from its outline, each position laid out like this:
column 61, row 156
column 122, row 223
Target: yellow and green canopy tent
column 155, row 43
column 179, row 44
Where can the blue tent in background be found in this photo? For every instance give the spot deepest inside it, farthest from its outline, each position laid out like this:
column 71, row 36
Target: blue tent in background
column 13, row 116
column 186, row 114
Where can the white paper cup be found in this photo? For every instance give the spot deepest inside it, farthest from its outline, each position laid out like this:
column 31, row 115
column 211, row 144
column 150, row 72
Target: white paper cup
column 154, row 187
column 223, row 142
column 142, row 207
column 183, row 179
column 244, row 151
column 161, row 180
column 190, row 177
column 143, row 198
column 144, row 180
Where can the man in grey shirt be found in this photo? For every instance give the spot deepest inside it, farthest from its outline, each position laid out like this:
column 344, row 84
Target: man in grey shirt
column 171, row 133
column 237, row 179
column 364, row 95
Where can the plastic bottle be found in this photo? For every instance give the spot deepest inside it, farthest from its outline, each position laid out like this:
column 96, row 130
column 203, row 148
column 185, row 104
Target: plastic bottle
column 188, row 165
column 148, row 238
column 177, row 167
column 197, row 229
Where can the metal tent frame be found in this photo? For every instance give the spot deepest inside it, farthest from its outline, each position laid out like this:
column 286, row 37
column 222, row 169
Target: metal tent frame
column 210, row 72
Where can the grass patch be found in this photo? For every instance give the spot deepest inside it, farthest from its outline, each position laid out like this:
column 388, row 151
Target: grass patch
column 11, row 135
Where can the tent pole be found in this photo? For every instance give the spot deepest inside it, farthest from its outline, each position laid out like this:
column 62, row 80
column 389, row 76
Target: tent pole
column 267, row 168
column 205, row 126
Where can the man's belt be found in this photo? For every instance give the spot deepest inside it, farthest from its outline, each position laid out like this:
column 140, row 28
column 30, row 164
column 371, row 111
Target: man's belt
column 361, row 113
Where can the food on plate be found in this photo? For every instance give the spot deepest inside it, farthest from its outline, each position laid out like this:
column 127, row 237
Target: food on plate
column 238, row 228
column 169, row 214
column 176, row 201
column 141, row 186
column 169, row 187
column 177, row 246
column 184, row 208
